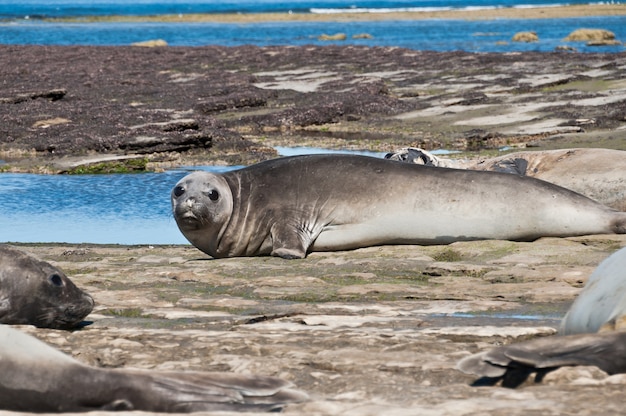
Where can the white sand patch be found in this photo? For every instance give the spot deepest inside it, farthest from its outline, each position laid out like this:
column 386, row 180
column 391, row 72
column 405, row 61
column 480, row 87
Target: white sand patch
column 301, row 80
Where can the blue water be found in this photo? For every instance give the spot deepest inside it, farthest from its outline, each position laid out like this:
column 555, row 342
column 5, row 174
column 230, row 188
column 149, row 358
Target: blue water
column 125, row 209
column 21, row 23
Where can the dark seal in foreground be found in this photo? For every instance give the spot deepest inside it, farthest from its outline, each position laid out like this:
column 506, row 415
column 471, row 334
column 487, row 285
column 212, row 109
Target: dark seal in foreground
column 290, row 206
column 35, row 377
column 512, row 364
column 36, row 293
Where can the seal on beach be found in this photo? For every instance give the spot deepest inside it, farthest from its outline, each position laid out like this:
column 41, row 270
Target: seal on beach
column 290, row 206
column 35, row 292
column 601, row 305
column 35, row 377
column 512, row 364
column 594, row 172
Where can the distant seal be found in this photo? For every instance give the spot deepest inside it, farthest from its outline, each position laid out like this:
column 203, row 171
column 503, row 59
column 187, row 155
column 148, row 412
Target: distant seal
column 290, row 206
column 36, row 293
column 512, row 364
column 601, row 305
column 594, row 172
column 35, row 377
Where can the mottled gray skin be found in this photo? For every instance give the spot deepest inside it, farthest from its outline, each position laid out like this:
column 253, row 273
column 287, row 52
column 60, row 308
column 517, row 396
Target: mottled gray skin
column 35, row 377
column 514, row 363
column 602, row 303
column 290, row 206
column 36, row 293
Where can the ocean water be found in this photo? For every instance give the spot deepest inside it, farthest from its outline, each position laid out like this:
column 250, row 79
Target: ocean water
column 25, row 22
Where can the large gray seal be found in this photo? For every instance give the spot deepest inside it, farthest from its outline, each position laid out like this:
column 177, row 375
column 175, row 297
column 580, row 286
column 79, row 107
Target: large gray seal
column 35, row 292
column 290, row 206
column 35, row 377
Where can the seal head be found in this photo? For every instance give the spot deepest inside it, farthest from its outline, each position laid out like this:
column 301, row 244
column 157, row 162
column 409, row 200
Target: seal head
column 34, row 292
column 202, row 204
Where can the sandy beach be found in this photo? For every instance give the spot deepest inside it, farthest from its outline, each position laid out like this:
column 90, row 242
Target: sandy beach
column 487, row 14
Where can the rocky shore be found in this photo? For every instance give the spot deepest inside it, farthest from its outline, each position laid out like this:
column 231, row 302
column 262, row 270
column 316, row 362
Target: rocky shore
column 364, row 332
column 64, row 107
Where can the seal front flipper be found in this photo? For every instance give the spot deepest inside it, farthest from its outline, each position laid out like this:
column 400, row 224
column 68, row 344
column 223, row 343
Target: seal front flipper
column 289, row 242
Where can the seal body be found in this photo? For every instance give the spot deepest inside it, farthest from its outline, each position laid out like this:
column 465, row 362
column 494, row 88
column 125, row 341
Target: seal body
column 35, row 292
column 293, row 205
column 594, row 172
column 601, row 305
column 35, row 377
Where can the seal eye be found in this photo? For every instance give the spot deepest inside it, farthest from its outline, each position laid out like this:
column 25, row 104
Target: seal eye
column 178, row 191
column 56, row 280
column 213, row 195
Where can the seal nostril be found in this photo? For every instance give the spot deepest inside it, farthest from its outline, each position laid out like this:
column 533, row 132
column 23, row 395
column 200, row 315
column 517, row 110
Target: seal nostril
column 178, row 191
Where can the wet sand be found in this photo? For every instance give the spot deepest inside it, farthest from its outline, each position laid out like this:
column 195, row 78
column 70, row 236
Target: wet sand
column 488, row 14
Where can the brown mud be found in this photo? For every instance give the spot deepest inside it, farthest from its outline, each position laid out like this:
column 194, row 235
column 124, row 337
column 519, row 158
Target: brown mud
column 63, row 107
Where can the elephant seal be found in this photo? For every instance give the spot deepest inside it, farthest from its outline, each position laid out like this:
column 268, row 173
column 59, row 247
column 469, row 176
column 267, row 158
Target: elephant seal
column 512, row 364
column 290, row 206
column 36, row 293
column 602, row 303
column 35, row 377
column 594, row 172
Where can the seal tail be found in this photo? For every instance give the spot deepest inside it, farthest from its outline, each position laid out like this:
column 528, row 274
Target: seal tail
column 618, row 225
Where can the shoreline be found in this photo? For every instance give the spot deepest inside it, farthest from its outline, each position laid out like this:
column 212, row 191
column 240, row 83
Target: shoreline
column 552, row 12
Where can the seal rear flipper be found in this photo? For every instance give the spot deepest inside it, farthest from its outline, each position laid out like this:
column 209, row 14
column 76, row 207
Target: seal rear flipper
column 206, row 391
column 514, row 363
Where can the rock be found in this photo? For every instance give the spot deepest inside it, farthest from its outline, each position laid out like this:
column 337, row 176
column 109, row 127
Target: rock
column 336, row 36
column 362, row 36
column 172, row 125
column 52, row 95
column 150, row 43
column 590, row 35
column 610, row 42
column 564, row 48
column 231, row 101
column 525, row 37
column 44, row 124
